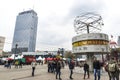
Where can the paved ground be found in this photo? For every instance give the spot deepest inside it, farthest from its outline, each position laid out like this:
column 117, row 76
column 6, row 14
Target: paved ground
column 42, row 74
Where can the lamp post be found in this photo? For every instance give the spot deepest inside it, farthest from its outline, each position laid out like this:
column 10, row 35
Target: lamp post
column 61, row 51
column 15, row 51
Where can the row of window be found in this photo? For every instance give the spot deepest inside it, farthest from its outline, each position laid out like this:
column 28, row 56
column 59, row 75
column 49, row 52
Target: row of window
column 90, row 42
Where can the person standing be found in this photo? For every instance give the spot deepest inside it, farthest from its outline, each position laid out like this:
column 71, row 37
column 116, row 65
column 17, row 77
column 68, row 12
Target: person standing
column 96, row 68
column 16, row 63
column 9, row 64
column 106, row 69
column 58, row 70
column 49, row 66
column 20, row 63
column 113, row 69
column 86, row 70
column 54, row 66
column 71, row 67
column 33, row 64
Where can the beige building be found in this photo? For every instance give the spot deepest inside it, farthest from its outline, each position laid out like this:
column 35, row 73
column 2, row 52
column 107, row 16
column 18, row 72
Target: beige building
column 2, row 42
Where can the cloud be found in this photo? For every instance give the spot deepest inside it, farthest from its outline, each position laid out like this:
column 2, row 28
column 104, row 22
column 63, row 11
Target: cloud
column 56, row 19
column 84, row 6
column 111, row 18
column 54, row 33
column 56, row 30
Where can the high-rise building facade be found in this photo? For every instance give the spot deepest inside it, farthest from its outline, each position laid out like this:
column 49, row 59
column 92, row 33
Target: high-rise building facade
column 25, row 32
column 2, row 42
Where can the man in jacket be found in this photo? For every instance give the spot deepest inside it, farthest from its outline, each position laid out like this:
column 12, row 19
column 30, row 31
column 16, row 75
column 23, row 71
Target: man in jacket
column 96, row 68
column 71, row 67
column 86, row 70
column 58, row 70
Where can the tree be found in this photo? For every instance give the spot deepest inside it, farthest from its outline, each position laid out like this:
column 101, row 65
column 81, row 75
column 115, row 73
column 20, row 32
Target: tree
column 69, row 54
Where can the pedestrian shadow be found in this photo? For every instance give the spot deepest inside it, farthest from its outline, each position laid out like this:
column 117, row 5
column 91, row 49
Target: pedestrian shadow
column 21, row 78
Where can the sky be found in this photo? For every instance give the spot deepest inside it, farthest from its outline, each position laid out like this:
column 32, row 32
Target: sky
column 56, row 20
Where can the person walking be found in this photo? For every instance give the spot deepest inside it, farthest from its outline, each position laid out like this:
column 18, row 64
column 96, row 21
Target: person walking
column 33, row 64
column 58, row 70
column 113, row 69
column 71, row 67
column 96, row 69
column 86, row 70
column 106, row 69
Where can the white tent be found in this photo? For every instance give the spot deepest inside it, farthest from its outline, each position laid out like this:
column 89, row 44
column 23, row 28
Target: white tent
column 4, row 59
column 81, row 59
column 12, row 56
column 19, row 57
column 64, row 58
column 16, row 57
column 39, row 58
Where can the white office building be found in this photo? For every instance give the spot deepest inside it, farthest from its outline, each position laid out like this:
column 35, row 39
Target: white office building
column 2, row 42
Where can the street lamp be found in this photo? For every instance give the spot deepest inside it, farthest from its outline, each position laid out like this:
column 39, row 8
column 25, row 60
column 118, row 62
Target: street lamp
column 61, row 51
column 15, row 51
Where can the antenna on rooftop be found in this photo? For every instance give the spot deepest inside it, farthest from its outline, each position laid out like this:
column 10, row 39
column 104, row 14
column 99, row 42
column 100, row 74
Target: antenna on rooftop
column 33, row 6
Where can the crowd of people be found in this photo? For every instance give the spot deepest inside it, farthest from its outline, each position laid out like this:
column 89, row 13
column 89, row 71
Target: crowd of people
column 55, row 66
column 112, row 69
column 16, row 63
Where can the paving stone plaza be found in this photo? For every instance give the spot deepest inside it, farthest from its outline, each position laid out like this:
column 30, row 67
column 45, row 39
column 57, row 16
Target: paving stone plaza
column 42, row 74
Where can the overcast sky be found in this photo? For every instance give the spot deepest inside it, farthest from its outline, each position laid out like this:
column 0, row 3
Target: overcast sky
column 56, row 18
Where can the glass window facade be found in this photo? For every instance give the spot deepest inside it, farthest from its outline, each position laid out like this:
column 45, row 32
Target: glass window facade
column 25, row 32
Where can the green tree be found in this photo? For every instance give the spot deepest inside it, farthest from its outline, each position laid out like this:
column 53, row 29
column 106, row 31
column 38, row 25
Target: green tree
column 69, row 54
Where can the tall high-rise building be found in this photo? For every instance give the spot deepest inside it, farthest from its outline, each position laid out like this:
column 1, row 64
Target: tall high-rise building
column 25, row 32
column 2, row 42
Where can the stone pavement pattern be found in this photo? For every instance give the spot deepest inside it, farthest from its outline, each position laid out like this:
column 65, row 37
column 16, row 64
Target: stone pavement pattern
column 42, row 74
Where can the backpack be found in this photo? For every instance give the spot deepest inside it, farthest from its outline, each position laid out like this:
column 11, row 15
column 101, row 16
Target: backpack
column 106, row 67
column 112, row 67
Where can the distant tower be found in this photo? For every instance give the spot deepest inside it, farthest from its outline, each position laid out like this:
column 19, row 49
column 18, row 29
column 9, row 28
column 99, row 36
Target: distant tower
column 25, row 32
column 113, row 44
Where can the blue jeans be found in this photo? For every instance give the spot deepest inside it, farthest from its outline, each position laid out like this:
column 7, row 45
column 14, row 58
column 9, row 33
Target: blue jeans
column 96, row 74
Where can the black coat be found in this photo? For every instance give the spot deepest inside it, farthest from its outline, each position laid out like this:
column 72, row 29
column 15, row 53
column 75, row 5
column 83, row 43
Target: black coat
column 71, row 65
column 86, row 66
column 96, row 65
